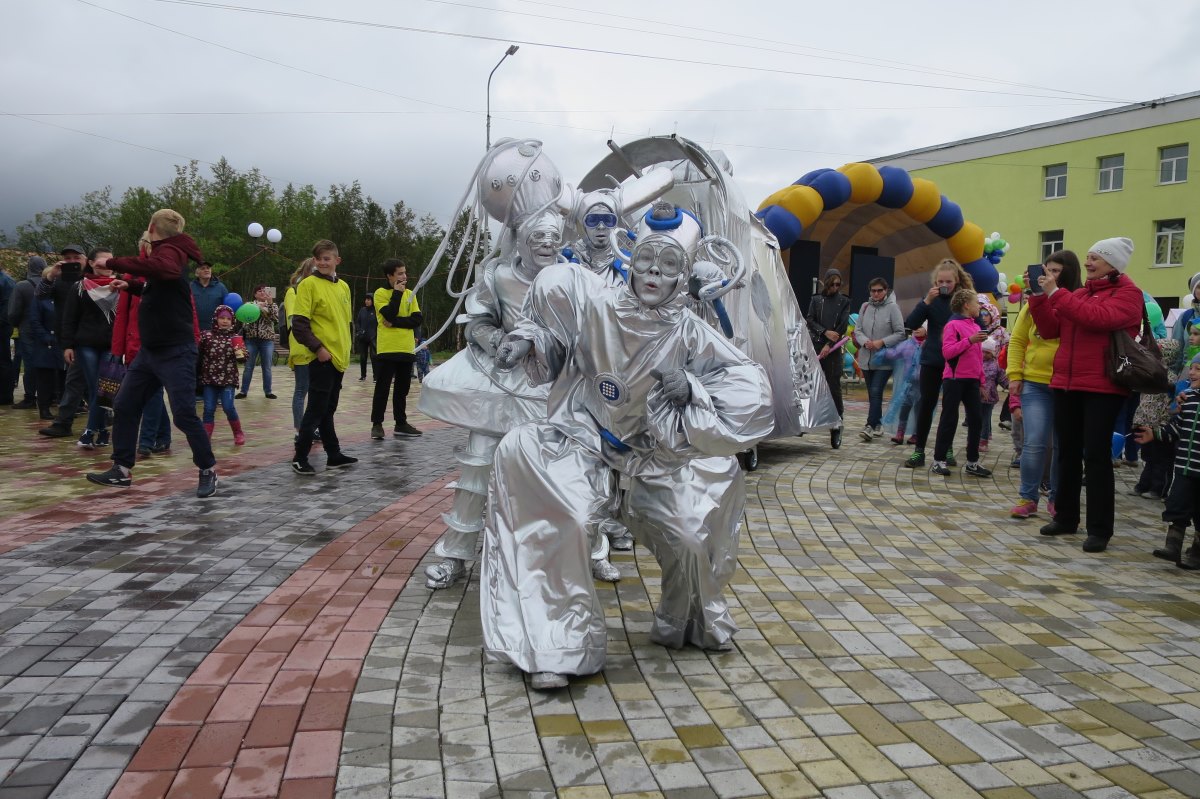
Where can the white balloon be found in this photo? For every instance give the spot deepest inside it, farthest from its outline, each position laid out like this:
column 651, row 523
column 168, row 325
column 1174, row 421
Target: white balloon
column 254, row 229
column 1003, row 279
column 995, row 235
column 274, row 236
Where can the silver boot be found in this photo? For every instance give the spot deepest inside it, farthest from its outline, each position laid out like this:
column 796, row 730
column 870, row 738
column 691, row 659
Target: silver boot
column 603, row 570
column 445, row 574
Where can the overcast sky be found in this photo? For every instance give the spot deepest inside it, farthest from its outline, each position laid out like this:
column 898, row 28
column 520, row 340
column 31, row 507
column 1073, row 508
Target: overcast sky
column 394, row 104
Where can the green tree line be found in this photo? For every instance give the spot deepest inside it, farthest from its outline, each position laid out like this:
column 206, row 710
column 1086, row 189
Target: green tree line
column 218, row 208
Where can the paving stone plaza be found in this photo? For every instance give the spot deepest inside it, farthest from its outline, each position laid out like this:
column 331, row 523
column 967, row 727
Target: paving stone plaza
column 901, row 637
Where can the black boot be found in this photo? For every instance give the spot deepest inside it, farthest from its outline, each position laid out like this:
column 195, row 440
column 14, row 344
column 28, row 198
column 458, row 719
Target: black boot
column 1190, row 558
column 835, row 437
column 1172, row 548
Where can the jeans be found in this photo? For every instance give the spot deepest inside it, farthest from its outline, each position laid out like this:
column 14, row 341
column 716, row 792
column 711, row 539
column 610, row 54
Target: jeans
column 1037, row 412
column 156, row 424
column 89, row 359
column 75, row 391
column 985, row 428
column 223, row 393
column 29, row 376
column 1084, row 421
column 173, row 368
column 258, row 348
column 299, row 393
column 324, row 390
column 1125, row 425
column 957, row 391
column 931, row 385
column 877, row 380
column 391, row 369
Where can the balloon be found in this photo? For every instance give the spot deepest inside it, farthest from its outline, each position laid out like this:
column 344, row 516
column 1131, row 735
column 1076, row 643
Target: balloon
column 248, row 312
column 854, row 318
column 994, row 235
column 808, row 177
column 782, row 223
column 1001, row 243
column 1118, row 446
column 967, row 244
column 1014, row 296
column 983, row 273
column 851, row 348
column 803, row 202
column 1014, row 287
column 897, row 187
column 1154, row 311
column 1003, row 278
column 834, row 188
column 866, row 184
column 233, row 300
column 925, row 200
column 948, row 220
column 254, row 229
column 847, row 362
column 274, row 236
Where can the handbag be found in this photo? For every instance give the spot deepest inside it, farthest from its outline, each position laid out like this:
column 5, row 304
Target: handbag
column 1137, row 366
column 112, row 373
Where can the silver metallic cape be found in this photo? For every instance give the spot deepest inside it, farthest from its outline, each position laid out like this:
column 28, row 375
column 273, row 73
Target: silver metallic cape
column 604, row 352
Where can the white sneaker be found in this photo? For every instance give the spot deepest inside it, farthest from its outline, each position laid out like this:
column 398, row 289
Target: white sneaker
column 877, row 430
column 444, row 574
column 548, row 681
column 866, row 433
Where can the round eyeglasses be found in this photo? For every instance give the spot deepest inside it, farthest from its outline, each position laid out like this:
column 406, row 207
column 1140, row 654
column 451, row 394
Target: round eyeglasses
column 668, row 257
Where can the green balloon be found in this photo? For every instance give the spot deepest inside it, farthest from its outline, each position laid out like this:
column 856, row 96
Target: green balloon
column 248, row 312
column 1154, row 311
column 1001, row 244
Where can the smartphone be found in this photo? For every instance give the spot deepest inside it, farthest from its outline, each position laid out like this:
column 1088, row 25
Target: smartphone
column 1035, row 271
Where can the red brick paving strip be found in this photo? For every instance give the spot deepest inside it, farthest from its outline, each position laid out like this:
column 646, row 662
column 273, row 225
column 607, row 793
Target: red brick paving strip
column 263, row 714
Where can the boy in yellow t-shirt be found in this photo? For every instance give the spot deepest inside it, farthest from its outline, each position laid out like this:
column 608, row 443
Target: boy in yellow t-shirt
column 399, row 316
column 321, row 327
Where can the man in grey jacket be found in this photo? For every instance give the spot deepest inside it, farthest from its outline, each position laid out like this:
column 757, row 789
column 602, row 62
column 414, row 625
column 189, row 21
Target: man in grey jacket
column 880, row 325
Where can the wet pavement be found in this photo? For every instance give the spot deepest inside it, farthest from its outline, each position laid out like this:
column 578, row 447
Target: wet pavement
column 901, row 637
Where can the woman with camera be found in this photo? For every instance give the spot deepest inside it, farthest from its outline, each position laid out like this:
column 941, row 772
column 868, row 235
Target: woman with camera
column 1086, row 401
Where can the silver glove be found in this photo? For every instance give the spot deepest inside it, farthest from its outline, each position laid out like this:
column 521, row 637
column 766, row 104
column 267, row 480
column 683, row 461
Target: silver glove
column 511, row 352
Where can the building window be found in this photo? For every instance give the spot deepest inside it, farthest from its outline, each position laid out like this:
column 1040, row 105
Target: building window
column 1168, row 242
column 1051, row 242
column 1056, row 181
column 1112, row 173
column 1172, row 164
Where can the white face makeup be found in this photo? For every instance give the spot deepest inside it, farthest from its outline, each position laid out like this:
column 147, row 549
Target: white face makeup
column 657, row 271
column 539, row 248
column 598, row 224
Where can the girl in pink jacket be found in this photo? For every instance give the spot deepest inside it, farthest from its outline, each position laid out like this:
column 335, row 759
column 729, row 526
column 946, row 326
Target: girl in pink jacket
column 962, row 340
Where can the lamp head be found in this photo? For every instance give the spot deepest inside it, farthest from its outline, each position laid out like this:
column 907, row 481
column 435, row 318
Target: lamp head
column 512, row 49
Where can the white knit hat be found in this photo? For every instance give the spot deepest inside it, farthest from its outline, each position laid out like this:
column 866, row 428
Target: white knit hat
column 1116, row 251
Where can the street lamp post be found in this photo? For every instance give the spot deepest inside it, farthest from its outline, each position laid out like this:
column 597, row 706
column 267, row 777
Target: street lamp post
column 512, row 50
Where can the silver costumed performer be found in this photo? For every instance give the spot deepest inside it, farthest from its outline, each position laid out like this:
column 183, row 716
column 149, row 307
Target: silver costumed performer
column 594, row 251
column 643, row 387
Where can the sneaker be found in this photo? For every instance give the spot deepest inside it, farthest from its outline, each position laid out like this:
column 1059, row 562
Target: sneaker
column 272, row 396
column 86, row 440
column 1015, row 463
column 877, row 430
column 339, row 459
column 55, row 430
column 897, row 439
column 143, row 452
column 866, row 434
column 208, row 483
column 1044, row 488
column 950, row 459
column 915, row 460
column 911, row 440
column 405, row 430
column 161, row 447
column 1055, row 528
column 377, row 432
column 835, row 437
column 1094, row 543
column 240, row 395
column 983, row 446
column 977, row 469
column 1024, row 509
column 444, row 574
column 603, row 570
column 303, row 467
column 548, row 681
column 24, row 405
column 102, row 439
column 940, row 467
column 116, row 477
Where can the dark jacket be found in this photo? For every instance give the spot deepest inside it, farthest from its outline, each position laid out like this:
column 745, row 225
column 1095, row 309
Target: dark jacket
column 165, row 315
column 85, row 324
column 828, row 313
column 25, row 292
column 207, row 299
column 60, row 290
column 1184, row 432
column 1083, row 321
column 7, row 285
column 937, row 314
column 366, row 325
column 43, row 349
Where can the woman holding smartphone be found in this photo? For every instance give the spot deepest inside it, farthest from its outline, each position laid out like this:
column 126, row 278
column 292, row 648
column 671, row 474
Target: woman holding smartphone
column 1030, row 370
column 1086, row 401
column 934, row 312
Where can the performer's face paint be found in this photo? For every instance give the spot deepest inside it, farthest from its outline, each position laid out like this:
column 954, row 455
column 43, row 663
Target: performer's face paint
column 541, row 244
column 598, row 225
column 657, row 271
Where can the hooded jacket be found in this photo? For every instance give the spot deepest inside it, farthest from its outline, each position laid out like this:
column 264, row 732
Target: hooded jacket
column 86, row 324
column 1083, row 321
column 218, row 361
column 936, row 314
column 964, row 358
column 126, row 341
column 165, row 315
column 1030, row 357
column 878, row 321
column 7, row 284
column 24, row 292
column 1185, row 320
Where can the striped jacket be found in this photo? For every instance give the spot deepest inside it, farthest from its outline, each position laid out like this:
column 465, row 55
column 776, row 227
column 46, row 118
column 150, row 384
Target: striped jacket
column 1184, row 432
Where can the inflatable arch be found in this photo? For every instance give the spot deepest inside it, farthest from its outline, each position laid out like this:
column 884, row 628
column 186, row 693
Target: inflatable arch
column 906, row 218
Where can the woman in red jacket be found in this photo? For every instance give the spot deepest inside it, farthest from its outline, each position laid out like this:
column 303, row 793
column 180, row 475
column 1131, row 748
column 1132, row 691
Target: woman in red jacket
column 1086, row 402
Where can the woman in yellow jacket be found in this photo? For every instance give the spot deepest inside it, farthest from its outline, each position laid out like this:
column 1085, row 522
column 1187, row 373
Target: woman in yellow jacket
column 1030, row 367
column 300, row 392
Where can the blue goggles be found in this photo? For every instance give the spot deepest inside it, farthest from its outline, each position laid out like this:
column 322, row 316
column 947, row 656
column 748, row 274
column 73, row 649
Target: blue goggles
column 596, row 220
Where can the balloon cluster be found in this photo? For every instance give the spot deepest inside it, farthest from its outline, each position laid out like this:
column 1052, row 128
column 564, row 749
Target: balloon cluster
column 246, row 312
column 851, row 347
column 255, row 230
column 994, row 248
